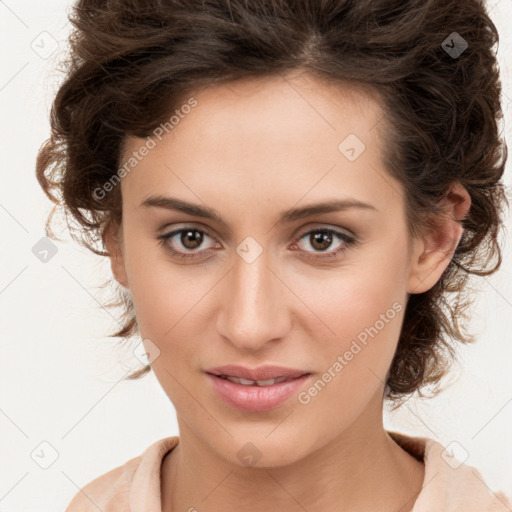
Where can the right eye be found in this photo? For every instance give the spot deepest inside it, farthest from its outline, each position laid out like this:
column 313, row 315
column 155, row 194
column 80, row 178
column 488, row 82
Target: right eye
column 190, row 238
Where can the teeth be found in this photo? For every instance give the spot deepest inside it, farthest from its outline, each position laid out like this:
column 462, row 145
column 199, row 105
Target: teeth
column 247, row 382
column 267, row 382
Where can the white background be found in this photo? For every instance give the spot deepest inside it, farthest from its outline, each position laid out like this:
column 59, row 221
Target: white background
column 59, row 373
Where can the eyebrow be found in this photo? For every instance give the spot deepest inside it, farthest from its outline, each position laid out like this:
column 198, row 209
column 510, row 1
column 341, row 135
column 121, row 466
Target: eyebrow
column 291, row 215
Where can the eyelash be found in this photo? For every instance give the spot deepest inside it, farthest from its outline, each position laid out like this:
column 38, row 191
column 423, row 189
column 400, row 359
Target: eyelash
column 349, row 241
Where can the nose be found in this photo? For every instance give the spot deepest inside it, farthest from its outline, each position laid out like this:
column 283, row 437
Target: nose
column 253, row 309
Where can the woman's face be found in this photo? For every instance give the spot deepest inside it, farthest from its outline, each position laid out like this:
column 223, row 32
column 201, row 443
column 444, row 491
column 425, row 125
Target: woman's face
column 262, row 285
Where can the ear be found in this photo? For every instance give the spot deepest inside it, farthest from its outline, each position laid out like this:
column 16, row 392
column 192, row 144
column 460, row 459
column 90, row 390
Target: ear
column 112, row 239
column 433, row 251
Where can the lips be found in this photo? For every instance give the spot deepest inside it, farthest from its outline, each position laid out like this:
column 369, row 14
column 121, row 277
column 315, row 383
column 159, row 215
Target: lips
column 256, row 390
column 254, row 398
column 249, row 382
column 261, row 374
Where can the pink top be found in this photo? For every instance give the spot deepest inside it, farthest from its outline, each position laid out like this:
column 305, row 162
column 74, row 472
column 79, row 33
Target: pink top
column 448, row 485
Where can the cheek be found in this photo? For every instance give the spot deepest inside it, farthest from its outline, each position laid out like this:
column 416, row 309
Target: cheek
column 365, row 316
column 169, row 302
column 358, row 312
column 346, row 303
column 165, row 303
column 162, row 292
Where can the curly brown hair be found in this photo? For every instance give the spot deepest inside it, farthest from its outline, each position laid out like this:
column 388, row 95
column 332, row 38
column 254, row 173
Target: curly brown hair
column 432, row 64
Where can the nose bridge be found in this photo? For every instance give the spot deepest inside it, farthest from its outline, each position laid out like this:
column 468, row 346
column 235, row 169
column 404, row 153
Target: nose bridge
column 254, row 312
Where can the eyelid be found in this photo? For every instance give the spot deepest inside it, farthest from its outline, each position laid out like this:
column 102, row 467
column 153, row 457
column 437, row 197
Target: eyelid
column 297, row 234
column 348, row 241
column 177, row 227
column 170, row 229
column 319, row 226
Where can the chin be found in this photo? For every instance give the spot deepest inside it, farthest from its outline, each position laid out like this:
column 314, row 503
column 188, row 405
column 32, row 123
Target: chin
column 264, row 450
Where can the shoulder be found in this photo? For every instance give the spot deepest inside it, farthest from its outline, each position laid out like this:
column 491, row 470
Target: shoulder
column 106, row 491
column 450, row 484
column 454, row 482
column 114, row 490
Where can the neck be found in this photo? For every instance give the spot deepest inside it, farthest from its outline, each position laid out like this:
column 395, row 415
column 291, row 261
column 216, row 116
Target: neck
column 363, row 469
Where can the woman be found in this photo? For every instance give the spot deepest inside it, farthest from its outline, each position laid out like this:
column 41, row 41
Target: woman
column 287, row 192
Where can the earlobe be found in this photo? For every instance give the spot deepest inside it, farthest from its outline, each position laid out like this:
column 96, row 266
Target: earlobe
column 433, row 252
column 115, row 254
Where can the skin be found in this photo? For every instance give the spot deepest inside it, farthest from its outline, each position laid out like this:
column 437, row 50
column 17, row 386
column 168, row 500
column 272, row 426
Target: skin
column 249, row 150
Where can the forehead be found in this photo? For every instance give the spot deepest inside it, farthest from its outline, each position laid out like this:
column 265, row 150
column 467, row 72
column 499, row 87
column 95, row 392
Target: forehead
column 280, row 110
column 268, row 137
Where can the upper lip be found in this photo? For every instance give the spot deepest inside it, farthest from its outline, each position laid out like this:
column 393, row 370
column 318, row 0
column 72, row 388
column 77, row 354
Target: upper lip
column 261, row 373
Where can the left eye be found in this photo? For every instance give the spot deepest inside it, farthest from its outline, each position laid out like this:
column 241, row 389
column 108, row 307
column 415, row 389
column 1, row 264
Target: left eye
column 319, row 239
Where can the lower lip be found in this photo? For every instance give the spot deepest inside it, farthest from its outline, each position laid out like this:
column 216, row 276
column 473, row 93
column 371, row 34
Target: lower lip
column 256, row 398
